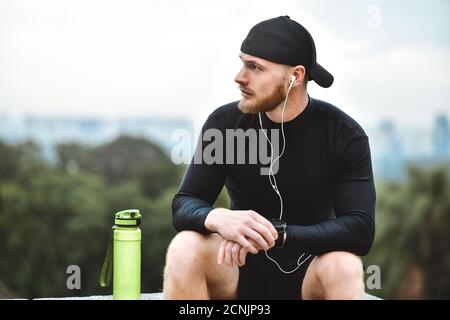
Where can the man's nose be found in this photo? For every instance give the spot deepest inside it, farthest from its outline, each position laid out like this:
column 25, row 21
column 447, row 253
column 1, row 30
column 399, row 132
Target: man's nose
column 240, row 78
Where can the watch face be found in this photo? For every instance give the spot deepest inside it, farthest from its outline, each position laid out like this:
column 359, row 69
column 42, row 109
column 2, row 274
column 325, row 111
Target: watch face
column 278, row 224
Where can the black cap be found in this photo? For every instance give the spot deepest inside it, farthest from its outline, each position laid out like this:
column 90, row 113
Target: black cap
column 285, row 41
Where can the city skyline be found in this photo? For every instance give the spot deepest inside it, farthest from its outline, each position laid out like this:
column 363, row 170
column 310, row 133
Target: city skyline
column 393, row 147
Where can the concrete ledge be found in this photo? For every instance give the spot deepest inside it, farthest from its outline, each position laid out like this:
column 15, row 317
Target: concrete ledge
column 144, row 296
column 147, row 296
column 371, row 297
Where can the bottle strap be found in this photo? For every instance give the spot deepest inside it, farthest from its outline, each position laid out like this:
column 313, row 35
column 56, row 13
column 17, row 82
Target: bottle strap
column 107, row 269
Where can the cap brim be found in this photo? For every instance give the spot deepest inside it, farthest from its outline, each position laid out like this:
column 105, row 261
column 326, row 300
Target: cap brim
column 321, row 76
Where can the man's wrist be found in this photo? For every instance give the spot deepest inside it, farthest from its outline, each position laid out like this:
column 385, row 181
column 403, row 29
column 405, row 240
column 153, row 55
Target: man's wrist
column 280, row 227
column 210, row 221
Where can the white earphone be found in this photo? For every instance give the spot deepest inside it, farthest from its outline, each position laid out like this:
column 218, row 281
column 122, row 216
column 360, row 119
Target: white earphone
column 273, row 181
column 293, row 78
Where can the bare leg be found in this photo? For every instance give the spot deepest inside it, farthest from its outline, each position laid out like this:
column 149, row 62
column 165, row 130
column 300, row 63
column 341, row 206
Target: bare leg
column 335, row 276
column 192, row 272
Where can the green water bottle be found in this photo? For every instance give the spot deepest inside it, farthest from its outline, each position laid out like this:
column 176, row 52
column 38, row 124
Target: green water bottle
column 125, row 263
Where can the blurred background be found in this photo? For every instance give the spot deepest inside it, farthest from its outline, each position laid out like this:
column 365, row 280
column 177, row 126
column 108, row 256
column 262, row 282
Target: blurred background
column 94, row 95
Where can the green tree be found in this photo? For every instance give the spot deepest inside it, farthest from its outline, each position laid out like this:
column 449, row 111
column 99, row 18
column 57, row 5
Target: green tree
column 9, row 158
column 124, row 158
column 412, row 234
column 53, row 222
column 17, row 161
column 53, row 217
column 154, row 178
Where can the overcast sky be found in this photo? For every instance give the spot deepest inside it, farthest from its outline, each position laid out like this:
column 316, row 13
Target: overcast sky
column 132, row 58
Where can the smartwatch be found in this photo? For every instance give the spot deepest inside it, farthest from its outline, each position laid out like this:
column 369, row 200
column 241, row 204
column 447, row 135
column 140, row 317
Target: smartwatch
column 280, row 226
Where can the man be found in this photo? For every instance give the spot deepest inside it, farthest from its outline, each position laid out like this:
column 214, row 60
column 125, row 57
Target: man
column 319, row 189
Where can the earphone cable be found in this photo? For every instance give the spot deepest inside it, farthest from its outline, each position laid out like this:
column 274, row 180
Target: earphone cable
column 273, row 181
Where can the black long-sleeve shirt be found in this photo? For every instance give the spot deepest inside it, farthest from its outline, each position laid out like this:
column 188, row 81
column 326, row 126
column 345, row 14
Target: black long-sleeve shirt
column 324, row 176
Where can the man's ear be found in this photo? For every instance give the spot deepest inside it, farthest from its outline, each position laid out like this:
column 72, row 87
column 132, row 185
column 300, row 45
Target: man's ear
column 300, row 74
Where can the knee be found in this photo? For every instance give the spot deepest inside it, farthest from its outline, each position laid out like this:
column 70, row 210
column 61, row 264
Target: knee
column 340, row 266
column 186, row 248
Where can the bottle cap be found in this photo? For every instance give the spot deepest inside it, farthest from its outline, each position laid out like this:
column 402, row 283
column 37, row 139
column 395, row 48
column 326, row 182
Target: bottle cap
column 130, row 217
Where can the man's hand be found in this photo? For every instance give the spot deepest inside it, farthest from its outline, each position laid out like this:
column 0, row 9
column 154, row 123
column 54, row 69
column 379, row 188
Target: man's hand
column 247, row 228
column 231, row 253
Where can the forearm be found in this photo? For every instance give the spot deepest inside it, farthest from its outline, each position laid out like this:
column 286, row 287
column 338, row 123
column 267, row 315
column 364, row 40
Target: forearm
column 189, row 213
column 352, row 232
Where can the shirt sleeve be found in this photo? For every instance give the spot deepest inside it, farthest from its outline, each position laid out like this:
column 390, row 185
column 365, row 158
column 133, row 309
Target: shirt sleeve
column 353, row 228
column 202, row 182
